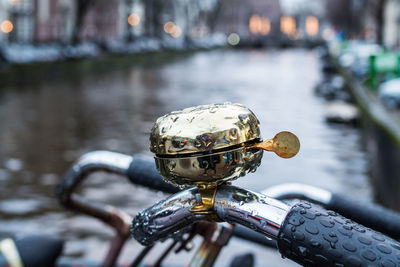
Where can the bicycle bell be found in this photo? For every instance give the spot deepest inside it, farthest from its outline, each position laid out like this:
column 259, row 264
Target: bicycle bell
column 212, row 144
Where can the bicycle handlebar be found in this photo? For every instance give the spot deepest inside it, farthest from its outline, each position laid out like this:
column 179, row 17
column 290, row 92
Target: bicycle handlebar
column 232, row 204
column 312, row 236
column 305, row 233
column 367, row 214
column 141, row 170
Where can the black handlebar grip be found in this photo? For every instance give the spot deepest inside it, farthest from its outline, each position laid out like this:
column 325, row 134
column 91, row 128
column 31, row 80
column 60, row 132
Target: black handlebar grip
column 312, row 236
column 143, row 171
column 370, row 215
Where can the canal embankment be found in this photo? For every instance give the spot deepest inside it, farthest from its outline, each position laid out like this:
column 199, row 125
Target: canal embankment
column 381, row 137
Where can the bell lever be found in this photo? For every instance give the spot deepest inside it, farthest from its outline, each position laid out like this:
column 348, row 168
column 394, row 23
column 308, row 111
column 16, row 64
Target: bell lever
column 284, row 144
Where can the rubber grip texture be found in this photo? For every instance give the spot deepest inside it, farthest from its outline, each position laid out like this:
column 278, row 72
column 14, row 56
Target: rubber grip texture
column 312, row 236
column 368, row 214
column 143, row 171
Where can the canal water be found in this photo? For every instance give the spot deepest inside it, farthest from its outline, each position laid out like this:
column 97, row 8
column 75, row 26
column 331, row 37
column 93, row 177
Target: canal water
column 46, row 126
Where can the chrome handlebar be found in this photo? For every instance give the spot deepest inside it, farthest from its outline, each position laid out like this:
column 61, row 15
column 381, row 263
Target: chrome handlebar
column 299, row 191
column 256, row 211
column 232, row 204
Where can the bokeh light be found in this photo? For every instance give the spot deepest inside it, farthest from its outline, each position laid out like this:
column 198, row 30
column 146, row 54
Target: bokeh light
column 133, row 19
column 233, row 39
column 265, row 26
column 312, row 25
column 328, row 34
column 288, row 25
column 169, row 27
column 177, row 32
column 6, row 26
column 254, row 24
column 259, row 25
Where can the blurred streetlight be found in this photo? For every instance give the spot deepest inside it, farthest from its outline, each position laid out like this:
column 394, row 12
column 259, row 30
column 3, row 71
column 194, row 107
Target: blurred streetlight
column 312, row 25
column 265, row 26
column 254, row 24
column 6, row 26
column 259, row 25
column 173, row 29
column 133, row 19
column 288, row 25
column 169, row 27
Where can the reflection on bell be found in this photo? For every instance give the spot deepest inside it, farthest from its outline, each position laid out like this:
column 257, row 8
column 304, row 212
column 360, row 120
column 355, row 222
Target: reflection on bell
column 212, row 144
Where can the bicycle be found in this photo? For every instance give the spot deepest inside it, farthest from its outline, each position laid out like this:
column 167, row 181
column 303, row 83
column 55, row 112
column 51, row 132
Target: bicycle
column 189, row 152
column 311, row 234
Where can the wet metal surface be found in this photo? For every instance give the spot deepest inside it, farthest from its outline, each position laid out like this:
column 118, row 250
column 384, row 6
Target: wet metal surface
column 45, row 127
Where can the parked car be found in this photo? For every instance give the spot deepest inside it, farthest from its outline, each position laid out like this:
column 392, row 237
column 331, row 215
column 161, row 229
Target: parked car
column 389, row 93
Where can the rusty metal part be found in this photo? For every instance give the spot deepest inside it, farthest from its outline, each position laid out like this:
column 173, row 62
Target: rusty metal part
column 215, row 237
column 92, row 162
column 284, row 144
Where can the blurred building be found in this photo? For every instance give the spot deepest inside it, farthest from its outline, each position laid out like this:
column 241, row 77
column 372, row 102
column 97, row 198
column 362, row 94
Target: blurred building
column 104, row 21
column 391, row 32
column 21, row 15
column 3, row 18
column 101, row 21
column 134, row 13
column 308, row 15
column 54, row 20
column 234, row 16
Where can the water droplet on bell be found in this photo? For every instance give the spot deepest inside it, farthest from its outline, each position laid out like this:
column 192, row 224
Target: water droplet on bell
column 163, row 130
column 241, row 203
column 243, row 118
column 171, row 165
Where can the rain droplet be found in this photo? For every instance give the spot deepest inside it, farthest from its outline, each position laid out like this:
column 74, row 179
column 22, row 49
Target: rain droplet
column 241, row 203
column 171, row 165
column 243, row 118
